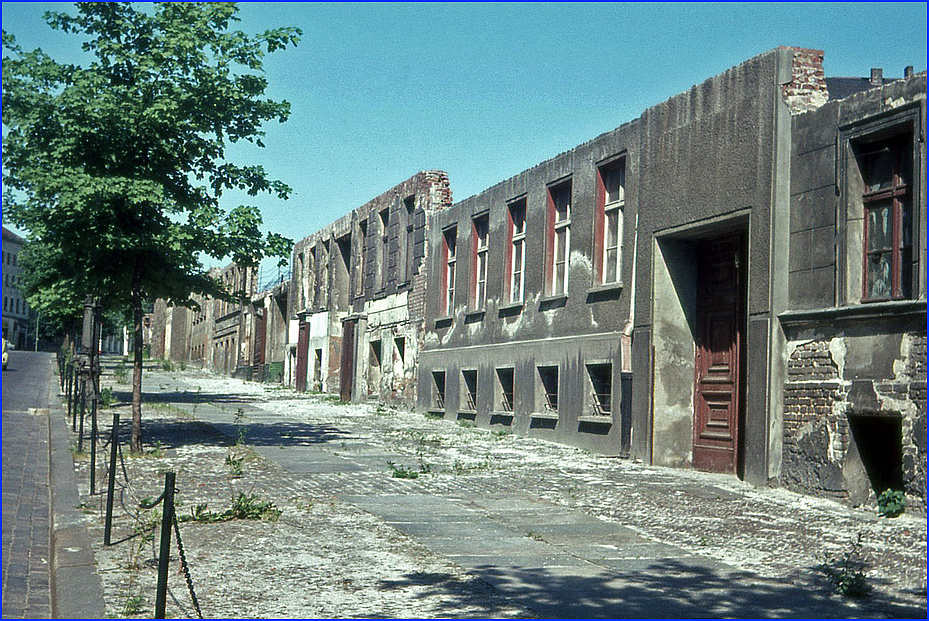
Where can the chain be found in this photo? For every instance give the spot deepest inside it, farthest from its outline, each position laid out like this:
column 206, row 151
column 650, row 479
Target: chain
column 185, row 568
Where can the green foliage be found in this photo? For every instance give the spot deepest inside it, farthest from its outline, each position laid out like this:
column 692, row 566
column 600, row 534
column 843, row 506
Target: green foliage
column 121, row 374
column 434, row 415
column 106, row 398
column 847, row 573
column 167, row 365
column 235, row 464
column 244, row 507
column 402, row 472
column 466, row 424
column 133, row 604
column 891, row 503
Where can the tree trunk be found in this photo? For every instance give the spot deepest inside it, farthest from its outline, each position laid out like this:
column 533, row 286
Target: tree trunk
column 135, row 444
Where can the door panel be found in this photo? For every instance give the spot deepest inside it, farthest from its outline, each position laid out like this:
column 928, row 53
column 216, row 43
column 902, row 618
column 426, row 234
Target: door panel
column 303, row 352
column 717, row 398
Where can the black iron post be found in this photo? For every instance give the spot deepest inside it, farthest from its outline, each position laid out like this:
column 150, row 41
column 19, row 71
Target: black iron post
column 80, row 431
column 167, row 521
column 93, row 438
column 111, row 480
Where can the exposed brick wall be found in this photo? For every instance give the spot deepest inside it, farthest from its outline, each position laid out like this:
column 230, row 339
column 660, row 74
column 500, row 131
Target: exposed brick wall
column 807, row 87
column 816, row 433
column 818, row 401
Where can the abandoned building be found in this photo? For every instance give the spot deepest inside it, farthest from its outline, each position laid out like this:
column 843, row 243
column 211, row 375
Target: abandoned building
column 732, row 281
column 357, row 296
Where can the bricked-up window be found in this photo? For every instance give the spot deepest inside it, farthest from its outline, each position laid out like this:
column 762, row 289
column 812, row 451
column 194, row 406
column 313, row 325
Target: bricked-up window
column 601, row 384
column 469, row 385
column 479, row 262
column 505, row 388
column 559, row 237
column 611, row 197
column 409, row 207
column 360, row 262
column 449, row 240
column 548, row 378
column 438, row 389
column 888, row 263
column 516, row 258
column 384, row 249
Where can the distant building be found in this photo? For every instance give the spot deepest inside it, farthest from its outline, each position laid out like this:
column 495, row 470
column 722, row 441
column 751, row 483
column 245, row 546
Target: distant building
column 15, row 310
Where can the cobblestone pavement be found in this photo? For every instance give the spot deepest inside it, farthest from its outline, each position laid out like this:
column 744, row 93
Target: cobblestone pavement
column 26, row 506
column 485, row 508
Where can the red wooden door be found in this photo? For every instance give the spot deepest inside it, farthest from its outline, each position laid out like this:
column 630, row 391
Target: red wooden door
column 347, row 361
column 303, row 351
column 717, row 407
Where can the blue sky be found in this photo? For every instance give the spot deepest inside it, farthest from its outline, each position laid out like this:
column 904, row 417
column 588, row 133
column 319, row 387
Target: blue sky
column 380, row 91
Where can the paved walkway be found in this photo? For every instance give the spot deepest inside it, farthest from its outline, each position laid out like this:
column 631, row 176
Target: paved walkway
column 48, row 563
column 558, row 560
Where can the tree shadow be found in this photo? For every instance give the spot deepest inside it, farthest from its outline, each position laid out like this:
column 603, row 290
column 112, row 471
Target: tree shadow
column 665, row 588
column 192, row 398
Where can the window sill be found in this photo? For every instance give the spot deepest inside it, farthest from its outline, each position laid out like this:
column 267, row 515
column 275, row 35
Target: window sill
column 553, row 301
column 544, row 415
column 596, row 420
column 865, row 311
column 475, row 315
column 514, row 308
column 608, row 287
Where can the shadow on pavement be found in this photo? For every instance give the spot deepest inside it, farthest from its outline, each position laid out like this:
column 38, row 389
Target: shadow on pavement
column 666, row 588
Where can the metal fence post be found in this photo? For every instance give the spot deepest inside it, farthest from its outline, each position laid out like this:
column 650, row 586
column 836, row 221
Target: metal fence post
column 80, row 431
column 111, row 480
column 167, row 522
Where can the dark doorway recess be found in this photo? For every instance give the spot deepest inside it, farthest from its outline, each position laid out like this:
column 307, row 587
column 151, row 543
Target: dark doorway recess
column 879, row 438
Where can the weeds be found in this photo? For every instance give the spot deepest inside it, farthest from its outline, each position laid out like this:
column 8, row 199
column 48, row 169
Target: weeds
column 891, row 503
column 847, row 573
column 106, row 398
column 133, row 605
column 241, row 430
column 121, row 374
column 399, row 471
column 434, row 415
column 466, row 424
column 167, row 365
column 235, row 464
column 244, row 507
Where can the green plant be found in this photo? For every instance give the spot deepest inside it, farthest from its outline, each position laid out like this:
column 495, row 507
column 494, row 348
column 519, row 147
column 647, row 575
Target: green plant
column 847, row 573
column 106, row 398
column 891, row 503
column 121, row 374
column 133, row 604
column 182, row 366
column 402, row 472
column 167, row 365
column 241, row 430
column 250, row 507
column 235, row 463
column 434, row 415
column 502, row 433
column 466, row 424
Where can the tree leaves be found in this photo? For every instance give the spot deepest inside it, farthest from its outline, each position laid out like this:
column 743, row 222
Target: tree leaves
column 120, row 164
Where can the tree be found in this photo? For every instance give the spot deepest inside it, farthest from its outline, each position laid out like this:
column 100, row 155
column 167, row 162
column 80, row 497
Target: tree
column 117, row 168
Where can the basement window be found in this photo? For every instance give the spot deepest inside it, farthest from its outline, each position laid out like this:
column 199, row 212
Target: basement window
column 600, row 388
column 548, row 381
column 470, row 390
column 504, row 390
column 438, row 389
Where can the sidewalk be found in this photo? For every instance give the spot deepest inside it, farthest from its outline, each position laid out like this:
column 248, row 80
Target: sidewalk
column 556, row 531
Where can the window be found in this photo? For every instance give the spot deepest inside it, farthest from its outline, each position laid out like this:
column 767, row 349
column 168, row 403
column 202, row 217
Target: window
column 409, row 205
column 505, row 389
column 548, row 377
column 400, row 343
column 438, row 389
column 318, row 369
column 479, row 262
column 608, row 248
column 469, row 391
column 516, row 260
column 888, row 227
column 601, row 388
column 384, row 254
column 374, row 368
column 449, row 240
column 559, row 237
column 360, row 263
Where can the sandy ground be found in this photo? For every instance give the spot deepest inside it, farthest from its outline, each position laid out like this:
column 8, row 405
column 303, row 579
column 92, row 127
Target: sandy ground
column 326, row 558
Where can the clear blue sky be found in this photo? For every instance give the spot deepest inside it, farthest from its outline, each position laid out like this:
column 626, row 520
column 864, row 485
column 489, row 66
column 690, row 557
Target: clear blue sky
column 380, row 91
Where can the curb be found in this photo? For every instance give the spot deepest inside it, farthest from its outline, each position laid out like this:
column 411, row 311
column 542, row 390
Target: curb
column 76, row 588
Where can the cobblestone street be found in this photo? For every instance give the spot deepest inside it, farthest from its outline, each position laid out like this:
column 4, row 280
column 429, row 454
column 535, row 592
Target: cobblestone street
column 389, row 513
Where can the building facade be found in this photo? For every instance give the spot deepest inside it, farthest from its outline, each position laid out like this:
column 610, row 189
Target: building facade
column 15, row 309
column 358, row 294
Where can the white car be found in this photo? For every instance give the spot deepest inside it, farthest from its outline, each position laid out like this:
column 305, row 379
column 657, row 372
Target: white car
column 6, row 354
